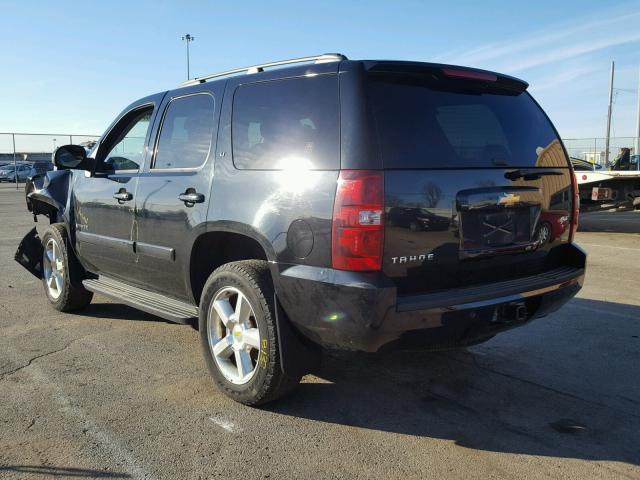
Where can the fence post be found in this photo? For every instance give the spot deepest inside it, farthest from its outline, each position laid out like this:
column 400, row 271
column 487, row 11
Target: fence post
column 15, row 164
column 70, row 139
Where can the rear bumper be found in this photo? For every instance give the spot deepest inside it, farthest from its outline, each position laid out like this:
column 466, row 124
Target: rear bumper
column 361, row 311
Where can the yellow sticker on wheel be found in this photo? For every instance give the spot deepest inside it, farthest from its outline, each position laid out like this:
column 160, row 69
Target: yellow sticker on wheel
column 264, row 356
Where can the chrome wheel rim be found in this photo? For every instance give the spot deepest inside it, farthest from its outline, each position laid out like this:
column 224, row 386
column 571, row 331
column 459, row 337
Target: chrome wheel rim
column 233, row 335
column 544, row 234
column 53, row 269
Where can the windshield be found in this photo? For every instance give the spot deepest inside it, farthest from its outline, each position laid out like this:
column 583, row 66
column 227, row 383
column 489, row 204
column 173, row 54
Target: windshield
column 421, row 127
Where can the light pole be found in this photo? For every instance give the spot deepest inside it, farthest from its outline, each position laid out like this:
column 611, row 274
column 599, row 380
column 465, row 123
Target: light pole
column 608, row 137
column 188, row 38
column 54, row 145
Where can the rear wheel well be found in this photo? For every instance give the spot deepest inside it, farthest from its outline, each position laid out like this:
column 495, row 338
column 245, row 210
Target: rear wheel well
column 213, row 249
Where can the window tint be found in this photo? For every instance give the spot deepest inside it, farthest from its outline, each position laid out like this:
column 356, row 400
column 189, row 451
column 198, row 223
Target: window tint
column 287, row 123
column 128, row 151
column 421, row 127
column 187, row 131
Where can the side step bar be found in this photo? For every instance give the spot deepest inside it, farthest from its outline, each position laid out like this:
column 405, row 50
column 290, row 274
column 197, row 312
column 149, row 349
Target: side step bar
column 153, row 303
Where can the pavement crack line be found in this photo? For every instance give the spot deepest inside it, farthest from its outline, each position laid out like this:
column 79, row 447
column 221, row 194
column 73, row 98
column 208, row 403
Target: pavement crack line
column 31, row 424
column 108, row 443
column 4, row 375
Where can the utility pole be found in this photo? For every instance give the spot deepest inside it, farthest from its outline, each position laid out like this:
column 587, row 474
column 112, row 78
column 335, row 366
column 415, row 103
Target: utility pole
column 608, row 137
column 15, row 164
column 188, row 38
column 636, row 149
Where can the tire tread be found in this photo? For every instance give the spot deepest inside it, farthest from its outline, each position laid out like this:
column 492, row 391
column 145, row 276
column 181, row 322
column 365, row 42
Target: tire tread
column 74, row 296
column 276, row 383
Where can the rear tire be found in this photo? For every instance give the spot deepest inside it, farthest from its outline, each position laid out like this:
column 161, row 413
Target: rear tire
column 61, row 272
column 240, row 344
column 544, row 233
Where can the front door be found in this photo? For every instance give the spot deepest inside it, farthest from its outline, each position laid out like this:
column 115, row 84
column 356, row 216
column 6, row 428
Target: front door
column 104, row 201
column 173, row 192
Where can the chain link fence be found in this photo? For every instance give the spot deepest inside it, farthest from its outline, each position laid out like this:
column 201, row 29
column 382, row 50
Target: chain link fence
column 593, row 149
column 20, row 151
column 36, row 148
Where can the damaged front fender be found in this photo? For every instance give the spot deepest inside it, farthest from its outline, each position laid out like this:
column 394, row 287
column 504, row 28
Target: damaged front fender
column 29, row 253
column 52, row 199
column 53, row 202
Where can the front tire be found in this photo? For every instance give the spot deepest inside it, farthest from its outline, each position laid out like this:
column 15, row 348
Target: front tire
column 238, row 333
column 61, row 272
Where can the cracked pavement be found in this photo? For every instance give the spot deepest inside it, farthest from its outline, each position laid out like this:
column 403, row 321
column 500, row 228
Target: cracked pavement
column 115, row 393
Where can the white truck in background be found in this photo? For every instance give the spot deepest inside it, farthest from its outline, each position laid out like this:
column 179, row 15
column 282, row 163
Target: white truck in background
column 601, row 188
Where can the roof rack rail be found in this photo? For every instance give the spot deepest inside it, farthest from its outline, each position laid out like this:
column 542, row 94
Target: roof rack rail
column 324, row 58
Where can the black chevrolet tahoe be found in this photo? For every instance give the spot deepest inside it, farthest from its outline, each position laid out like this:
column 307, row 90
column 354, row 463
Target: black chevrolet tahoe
column 317, row 203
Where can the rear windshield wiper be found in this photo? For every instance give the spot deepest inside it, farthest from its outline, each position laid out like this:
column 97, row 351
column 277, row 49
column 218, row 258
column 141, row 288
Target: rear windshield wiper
column 531, row 174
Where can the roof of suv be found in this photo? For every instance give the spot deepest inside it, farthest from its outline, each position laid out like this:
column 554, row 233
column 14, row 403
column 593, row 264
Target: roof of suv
column 329, row 62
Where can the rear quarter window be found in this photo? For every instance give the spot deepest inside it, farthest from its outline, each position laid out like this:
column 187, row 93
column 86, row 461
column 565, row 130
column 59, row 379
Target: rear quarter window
column 422, row 127
column 289, row 123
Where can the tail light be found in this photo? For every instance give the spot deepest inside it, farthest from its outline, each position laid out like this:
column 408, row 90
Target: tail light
column 358, row 216
column 469, row 74
column 575, row 213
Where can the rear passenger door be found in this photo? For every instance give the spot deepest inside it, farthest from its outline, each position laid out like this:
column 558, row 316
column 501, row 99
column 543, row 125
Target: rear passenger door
column 172, row 195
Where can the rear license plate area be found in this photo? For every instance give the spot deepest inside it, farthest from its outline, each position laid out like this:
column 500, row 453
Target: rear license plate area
column 495, row 228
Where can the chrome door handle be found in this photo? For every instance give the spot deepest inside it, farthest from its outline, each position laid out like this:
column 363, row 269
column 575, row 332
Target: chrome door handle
column 122, row 196
column 191, row 197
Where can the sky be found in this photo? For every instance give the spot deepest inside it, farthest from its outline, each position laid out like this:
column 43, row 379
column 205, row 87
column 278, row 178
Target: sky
column 71, row 67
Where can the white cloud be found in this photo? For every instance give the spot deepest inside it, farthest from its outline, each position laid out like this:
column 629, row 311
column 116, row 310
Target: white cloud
column 558, row 79
column 553, row 44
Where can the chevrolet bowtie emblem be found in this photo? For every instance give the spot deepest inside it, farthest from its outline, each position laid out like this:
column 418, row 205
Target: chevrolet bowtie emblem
column 508, row 199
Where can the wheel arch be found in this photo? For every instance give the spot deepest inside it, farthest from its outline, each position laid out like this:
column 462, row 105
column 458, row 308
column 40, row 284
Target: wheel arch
column 223, row 242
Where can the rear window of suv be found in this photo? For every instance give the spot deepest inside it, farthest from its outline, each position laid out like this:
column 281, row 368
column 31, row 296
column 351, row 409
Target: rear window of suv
column 422, row 127
column 291, row 123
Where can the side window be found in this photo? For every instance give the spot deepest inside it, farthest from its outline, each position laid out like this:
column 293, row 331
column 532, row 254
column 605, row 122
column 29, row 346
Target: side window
column 287, row 123
column 127, row 150
column 186, row 132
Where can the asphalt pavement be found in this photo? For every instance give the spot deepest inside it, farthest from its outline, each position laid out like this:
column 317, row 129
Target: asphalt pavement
column 112, row 392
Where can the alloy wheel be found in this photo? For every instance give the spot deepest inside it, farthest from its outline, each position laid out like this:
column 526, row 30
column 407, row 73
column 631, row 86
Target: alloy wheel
column 53, row 269
column 233, row 335
column 544, row 234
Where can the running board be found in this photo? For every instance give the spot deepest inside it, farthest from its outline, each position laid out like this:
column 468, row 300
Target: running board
column 153, row 303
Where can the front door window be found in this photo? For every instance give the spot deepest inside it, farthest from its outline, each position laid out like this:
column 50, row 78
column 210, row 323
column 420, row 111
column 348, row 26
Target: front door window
column 127, row 149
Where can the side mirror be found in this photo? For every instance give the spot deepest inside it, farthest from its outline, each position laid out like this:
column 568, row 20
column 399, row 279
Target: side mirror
column 72, row 157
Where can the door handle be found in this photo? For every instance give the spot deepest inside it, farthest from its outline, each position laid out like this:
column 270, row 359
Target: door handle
column 122, row 195
column 191, row 197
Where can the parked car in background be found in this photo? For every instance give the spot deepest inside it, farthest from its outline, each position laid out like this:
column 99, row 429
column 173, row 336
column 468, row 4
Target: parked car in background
column 552, row 225
column 8, row 173
column 416, row 219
